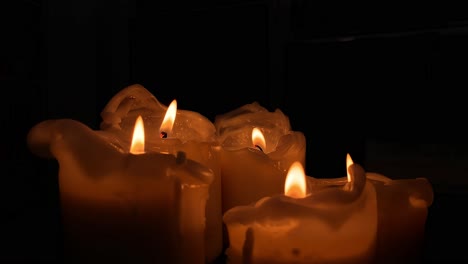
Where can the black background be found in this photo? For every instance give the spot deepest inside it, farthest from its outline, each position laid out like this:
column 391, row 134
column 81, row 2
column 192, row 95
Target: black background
column 385, row 83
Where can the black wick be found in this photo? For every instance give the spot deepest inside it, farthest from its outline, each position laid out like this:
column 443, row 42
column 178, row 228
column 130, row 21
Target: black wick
column 260, row 148
column 163, row 134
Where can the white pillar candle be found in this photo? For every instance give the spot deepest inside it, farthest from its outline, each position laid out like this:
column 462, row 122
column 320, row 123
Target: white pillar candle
column 403, row 208
column 402, row 212
column 120, row 207
column 331, row 224
column 183, row 130
column 253, row 168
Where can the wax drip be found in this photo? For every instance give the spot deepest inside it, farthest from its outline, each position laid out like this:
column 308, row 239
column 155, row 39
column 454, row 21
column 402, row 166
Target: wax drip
column 247, row 248
column 181, row 157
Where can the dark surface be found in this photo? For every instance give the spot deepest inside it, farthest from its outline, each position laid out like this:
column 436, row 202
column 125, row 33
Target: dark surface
column 350, row 77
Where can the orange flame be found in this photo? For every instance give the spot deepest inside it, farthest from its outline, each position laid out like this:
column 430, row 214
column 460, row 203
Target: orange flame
column 138, row 139
column 169, row 118
column 295, row 185
column 258, row 139
column 349, row 162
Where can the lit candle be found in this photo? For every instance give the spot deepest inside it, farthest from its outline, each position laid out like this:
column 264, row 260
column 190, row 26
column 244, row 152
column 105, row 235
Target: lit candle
column 258, row 147
column 331, row 224
column 403, row 208
column 124, row 206
column 402, row 212
column 171, row 130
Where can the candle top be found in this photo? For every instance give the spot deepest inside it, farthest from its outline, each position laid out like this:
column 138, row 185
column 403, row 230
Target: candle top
column 332, row 202
column 120, row 114
column 234, row 128
column 75, row 145
column 418, row 191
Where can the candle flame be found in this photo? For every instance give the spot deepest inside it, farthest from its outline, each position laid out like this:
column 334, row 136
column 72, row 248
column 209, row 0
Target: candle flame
column 258, row 139
column 138, row 139
column 349, row 162
column 295, row 184
column 169, row 118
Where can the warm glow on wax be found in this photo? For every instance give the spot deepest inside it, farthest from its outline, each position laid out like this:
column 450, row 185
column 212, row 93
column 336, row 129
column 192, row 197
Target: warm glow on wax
column 169, row 118
column 258, row 139
column 349, row 162
column 295, row 184
column 138, row 139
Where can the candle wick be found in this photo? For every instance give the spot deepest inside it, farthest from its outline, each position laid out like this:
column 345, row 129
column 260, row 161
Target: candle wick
column 260, row 148
column 163, row 134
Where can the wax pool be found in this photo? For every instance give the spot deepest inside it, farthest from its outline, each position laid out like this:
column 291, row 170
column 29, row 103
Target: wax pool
column 124, row 208
column 251, row 172
column 333, row 224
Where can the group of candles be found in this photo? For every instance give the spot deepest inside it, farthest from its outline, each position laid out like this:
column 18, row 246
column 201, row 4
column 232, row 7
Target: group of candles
column 157, row 184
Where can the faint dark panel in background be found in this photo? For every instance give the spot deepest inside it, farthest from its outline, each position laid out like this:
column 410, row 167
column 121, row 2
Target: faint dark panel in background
column 279, row 35
column 212, row 59
column 87, row 56
column 71, row 54
column 28, row 223
column 113, row 48
column 388, row 74
column 318, row 19
column 324, row 96
column 56, row 61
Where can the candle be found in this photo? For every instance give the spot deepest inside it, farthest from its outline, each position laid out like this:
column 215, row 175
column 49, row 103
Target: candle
column 120, row 207
column 402, row 212
column 172, row 130
column 258, row 148
column 329, row 224
column 168, row 131
column 402, row 209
